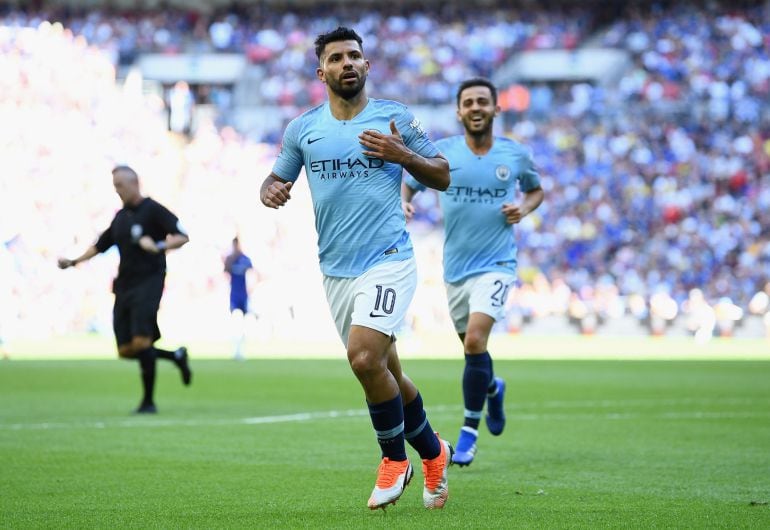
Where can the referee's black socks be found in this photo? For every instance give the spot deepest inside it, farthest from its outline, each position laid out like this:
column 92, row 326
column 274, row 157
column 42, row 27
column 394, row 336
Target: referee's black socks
column 147, row 367
column 165, row 354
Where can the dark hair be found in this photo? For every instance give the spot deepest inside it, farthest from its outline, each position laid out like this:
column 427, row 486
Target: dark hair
column 477, row 81
column 341, row 33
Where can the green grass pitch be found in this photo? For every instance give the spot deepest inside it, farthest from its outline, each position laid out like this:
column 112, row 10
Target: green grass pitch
column 287, row 444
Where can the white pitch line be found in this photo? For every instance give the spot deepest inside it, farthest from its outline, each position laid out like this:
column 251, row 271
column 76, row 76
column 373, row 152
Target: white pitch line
column 441, row 409
column 150, row 421
column 305, row 416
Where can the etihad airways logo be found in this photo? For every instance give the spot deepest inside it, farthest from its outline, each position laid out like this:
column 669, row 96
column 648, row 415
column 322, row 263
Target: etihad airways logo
column 335, row 168
column 475, row 194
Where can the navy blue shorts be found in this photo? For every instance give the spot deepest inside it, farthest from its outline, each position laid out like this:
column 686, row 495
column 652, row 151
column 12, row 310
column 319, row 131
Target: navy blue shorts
column 239, row 302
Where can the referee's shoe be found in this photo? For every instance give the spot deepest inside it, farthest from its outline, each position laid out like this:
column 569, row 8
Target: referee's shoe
column 182, row 361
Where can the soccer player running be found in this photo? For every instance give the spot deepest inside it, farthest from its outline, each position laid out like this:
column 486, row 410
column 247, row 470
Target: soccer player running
column 143, row 230
column 479, row 208
column 237, row 264
column 353, row 149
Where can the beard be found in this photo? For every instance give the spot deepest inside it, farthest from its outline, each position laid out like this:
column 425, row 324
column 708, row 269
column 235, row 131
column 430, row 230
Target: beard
column 347, row 91
column 473, row 130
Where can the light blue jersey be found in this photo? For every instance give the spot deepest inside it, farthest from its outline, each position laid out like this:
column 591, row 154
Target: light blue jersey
column 477, row 238
column 356, row 199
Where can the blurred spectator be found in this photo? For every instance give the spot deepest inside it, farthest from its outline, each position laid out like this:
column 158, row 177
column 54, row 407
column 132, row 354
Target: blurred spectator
column 701, row 317
column 180, row 108
column 726, row 314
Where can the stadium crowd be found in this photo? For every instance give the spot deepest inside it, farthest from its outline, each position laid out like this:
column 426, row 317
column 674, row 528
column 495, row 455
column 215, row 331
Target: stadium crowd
column 661, row 187
column 428, row 50
column 658, row 190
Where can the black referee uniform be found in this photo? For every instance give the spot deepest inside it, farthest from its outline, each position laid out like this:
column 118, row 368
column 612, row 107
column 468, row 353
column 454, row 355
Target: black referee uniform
column 138, row 286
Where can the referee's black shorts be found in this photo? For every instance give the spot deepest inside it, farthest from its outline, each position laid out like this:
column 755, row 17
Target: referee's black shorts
column 135, row 313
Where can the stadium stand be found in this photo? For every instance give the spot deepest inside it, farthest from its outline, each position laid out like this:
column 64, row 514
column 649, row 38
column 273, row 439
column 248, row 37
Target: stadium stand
column 656, row 167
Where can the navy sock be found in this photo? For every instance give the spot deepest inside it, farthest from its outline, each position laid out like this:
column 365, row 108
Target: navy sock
column 418, row 432
column 492, row 388
column 388, row 422
column 476, row 378
column 147, row 361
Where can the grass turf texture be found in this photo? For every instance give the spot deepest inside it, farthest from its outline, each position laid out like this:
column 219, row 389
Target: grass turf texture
column 415, row 346
column 588, row 444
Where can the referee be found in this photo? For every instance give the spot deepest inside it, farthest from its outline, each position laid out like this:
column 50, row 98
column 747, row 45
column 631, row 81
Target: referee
column 143, row 230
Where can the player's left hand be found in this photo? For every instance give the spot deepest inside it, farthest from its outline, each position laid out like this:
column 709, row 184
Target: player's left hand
column 388, row 147
column 512, row 213
column 148, row 245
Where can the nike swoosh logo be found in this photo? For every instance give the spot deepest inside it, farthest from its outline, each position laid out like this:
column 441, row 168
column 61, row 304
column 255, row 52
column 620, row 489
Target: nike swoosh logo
column 313, row 140
column 454, row 169
column 376, row 316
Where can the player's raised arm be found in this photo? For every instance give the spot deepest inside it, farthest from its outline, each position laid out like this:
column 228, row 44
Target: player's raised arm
column 433, row 172
column 274, row 192
column 430, row 171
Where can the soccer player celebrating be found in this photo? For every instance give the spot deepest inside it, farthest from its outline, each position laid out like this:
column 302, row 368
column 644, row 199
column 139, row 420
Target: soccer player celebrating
column 354, row 149
column 479, row 208
column 143, row 230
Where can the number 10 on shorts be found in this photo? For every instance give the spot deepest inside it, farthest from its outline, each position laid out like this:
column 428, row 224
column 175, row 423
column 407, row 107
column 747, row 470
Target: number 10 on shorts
column 385, row 301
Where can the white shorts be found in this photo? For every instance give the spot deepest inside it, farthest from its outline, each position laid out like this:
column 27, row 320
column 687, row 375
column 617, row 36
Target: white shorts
column 484, row 293
column 378, row 299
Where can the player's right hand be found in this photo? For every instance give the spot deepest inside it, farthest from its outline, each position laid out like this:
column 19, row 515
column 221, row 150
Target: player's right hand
column 408, row 208
column 276, row 194
column 65, row 263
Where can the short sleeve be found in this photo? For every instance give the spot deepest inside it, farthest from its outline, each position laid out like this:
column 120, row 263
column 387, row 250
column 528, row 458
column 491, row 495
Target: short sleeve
column 529, row 178
column 167, row 220
column 105, row 240
column 415, row 137
column 290, row 161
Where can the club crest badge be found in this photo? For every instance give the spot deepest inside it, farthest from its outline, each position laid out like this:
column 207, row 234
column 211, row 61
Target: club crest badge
column 136, row 232
column 503, row 173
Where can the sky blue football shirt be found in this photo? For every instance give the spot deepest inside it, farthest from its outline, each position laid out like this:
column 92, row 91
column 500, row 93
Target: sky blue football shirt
column 476, row 237
column 356, row 199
